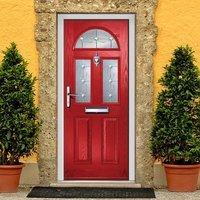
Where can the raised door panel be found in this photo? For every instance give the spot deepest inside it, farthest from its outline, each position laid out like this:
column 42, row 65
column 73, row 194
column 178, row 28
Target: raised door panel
column 83, row 140
column 110, row 139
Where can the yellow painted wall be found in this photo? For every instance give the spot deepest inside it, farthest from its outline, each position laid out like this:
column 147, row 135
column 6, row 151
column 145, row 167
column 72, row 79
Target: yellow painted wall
column 178, row 23
column 17, row 25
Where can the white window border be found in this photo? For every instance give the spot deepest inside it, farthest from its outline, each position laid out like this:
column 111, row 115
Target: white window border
column 60, row 81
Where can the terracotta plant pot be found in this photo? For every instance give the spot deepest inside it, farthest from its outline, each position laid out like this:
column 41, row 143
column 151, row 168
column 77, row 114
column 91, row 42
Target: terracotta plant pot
column 182, row 178
column 9, row 177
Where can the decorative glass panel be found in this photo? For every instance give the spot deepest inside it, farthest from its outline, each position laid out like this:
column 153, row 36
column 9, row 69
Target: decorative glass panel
column 110, row 80
column 83, row 83
column 96, row 38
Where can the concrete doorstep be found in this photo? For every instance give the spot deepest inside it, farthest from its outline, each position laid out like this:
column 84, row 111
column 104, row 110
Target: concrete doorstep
column 160, row 195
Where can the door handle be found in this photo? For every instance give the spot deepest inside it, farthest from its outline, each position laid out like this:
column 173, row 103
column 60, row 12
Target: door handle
column 69, row 95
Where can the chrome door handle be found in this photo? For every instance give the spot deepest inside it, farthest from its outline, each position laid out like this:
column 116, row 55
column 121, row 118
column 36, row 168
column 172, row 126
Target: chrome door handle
column 73, row 95
column 69, row 94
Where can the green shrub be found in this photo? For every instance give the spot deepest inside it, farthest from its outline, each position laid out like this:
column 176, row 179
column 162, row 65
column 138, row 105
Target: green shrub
column 18, row 115
column 175, row 137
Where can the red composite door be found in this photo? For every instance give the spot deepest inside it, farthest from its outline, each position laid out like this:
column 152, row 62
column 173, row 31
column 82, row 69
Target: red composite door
column 96, row 99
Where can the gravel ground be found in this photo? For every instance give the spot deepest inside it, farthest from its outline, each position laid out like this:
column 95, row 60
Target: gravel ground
column 160, row 195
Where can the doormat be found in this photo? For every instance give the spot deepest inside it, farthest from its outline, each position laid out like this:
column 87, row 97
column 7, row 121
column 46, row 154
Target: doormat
column 88, row 192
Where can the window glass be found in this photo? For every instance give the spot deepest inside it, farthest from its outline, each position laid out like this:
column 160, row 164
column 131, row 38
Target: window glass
column 110, row 80
column 83, row 80
column 96, row 38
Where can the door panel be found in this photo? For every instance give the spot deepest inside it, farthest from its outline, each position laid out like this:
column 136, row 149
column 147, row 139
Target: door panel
column 83, row 141
column 110, row 140
column 96, row 144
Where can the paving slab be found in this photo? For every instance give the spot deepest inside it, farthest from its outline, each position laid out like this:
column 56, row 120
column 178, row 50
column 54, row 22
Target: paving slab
column 160, row 195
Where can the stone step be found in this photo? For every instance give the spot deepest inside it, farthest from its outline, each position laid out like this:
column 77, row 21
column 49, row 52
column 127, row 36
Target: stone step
column 109, row 184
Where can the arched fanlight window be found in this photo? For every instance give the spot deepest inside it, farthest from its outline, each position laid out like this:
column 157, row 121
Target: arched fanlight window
column 96, row 38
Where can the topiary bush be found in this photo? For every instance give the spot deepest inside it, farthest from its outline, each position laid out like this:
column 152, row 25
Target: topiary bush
column 19, row 124
column 175, row 138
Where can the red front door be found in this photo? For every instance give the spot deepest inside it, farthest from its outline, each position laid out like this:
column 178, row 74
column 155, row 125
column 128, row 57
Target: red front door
column 96, row 99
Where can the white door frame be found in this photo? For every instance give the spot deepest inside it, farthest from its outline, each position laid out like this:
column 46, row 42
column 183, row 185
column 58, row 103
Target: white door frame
column 60, row 89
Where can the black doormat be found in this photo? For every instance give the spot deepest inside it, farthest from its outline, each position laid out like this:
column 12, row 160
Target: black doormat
column 87, row 192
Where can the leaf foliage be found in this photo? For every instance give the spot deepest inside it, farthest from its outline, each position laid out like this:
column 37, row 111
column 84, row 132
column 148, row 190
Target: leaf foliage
column 19, row 124
column 175, row 137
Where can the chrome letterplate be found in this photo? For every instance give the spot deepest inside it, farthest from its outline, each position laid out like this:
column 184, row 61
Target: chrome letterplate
column 96, row 110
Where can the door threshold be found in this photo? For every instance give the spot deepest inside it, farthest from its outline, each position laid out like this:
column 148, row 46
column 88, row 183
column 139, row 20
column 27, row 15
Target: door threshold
column 109, row 184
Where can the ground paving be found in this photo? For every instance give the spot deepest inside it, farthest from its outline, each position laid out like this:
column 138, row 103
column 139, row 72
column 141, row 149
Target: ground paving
column 160, row 195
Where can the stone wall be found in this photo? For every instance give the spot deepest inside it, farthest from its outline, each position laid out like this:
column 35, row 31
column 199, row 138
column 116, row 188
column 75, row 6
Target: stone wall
column 45, row 36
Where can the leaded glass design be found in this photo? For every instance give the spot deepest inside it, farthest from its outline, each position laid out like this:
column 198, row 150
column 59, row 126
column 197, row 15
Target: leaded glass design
column 110, row 80
column 83, row 80
column 96, row 38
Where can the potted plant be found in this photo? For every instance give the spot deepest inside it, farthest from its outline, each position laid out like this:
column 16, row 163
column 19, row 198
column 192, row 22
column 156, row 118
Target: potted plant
column 175, row 137
column 18, row 120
